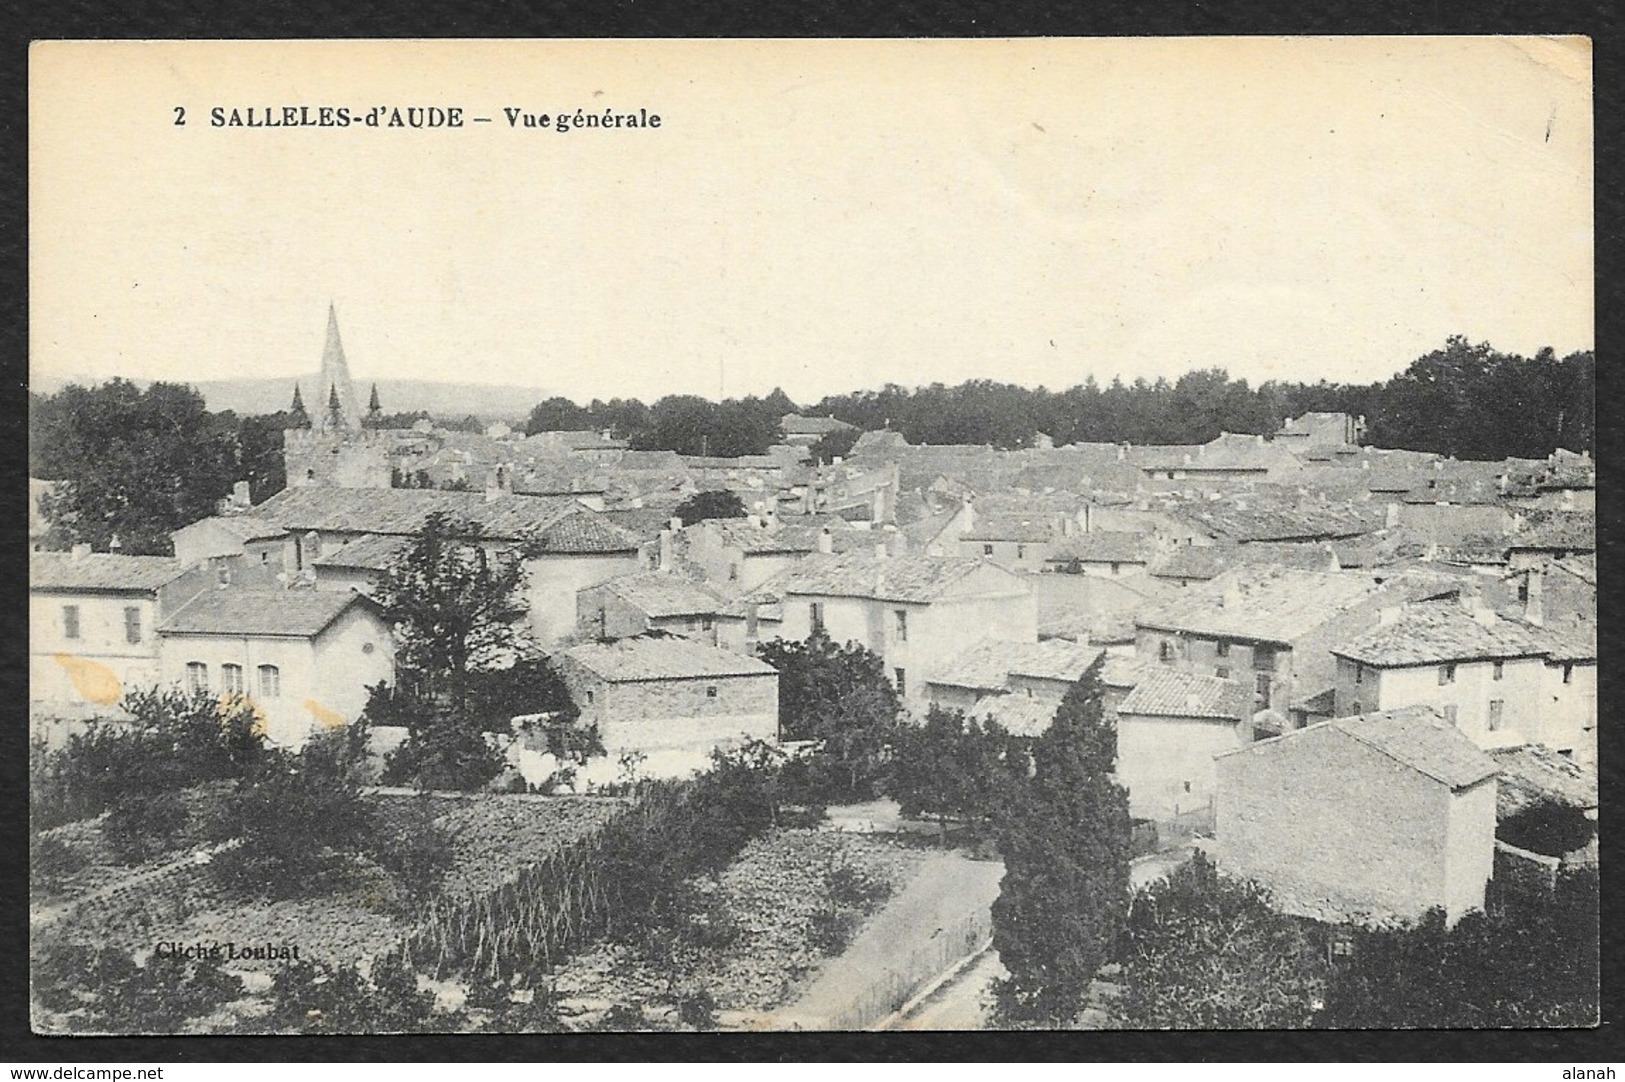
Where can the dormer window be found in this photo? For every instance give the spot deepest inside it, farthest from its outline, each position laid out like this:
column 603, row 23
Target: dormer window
column 1447, row 674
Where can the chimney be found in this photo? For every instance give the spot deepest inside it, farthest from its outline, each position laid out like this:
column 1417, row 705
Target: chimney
column 754, row 520
column 80, row 551
column 1122, row 451
column 826, row 543
column 239, row 494
column 1534, row 610
column 674, row 524
column 667, row 549
column 1390, row 518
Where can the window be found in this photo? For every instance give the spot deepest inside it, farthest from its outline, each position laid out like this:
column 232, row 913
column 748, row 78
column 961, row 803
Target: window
column 711, row 691
column 1264, row 658
column 1523, row 592
column 1447, row 674
column 231, row 679
column 692, row 623
column 270, row 682
column 705, row 623
column 132, row 624
column 197, row 676
column 1223, row 649
column 901, row 616
column 733, row 572
column 987, row 550
column 1498, row 671
column 1497, row 713
column 1261, row 686
column 1359, row 673
column 1165, row 650
column 589, row 696
column 818, row 616
column 1450, row 714
column 1222, row 672
column 1354, row 707
column 70, row 621
column 1568, row 673
column 902, row 681
column 1021, row 551
column 1116, row 567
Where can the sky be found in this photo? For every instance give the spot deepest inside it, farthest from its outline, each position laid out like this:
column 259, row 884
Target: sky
column 822, row 216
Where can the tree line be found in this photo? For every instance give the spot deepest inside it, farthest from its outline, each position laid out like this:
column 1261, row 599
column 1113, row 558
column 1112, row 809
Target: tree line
column 1466, row 400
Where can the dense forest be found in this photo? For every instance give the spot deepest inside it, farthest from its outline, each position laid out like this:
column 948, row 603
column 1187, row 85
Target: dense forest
column 1465, row 400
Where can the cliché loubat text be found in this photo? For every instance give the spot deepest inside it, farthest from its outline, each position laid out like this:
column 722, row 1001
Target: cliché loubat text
column 216, row 951
column 418, row 117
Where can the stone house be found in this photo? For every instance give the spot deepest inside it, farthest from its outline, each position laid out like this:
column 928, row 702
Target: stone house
column 992, row 669
column 743, row 552
column 1321, row 430
column 1013, row 542
column 649, row 601
column 1559, row 536
column 1170, row 725
column 1111, row 553
column 918, row 613
column 670, row 700
column 1485, row 673
column 92, row 625
column 799, row 431
column 1363, row 819
column 305, row 528
column 304, row 657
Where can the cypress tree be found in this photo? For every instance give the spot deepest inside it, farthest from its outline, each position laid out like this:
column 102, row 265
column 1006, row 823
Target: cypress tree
column 1064, row 836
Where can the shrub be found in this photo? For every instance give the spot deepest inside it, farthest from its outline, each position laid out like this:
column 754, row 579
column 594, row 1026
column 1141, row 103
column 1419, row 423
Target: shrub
column 830, row 928
column 140, row 826
column 855, row 888
column 697, row 1009
column 52, row 861
column 113, row 994
column 415, row 850
column 1547, row 827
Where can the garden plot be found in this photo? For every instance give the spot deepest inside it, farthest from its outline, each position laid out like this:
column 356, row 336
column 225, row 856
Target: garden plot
column 750, row 937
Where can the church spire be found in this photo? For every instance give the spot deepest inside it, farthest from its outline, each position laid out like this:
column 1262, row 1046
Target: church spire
column 336, row 374
column 297, row 417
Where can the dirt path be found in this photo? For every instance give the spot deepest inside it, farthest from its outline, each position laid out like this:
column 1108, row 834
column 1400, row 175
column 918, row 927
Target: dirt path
column 937, row 919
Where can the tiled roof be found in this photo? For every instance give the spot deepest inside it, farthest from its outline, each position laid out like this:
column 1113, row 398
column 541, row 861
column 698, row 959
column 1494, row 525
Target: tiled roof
column 243, row 527
column 1531, row 772
column 581, row 531
column 897, row 578
column 1568, row 643
column 793, row 424
column 375, row 552
column 100, row 571
column 663, row 595
column 282, row 613
column 1422, row 740
column 402, row 511
column 1431, row 632
column 1173, row 693
column 1102, row 546
column 1260, row 604
column 1583, row 567
column 1018, row 714
column 654, row 657
column 1199, row 562
column 990, row 663
column 1572, row 531
column 759, row 540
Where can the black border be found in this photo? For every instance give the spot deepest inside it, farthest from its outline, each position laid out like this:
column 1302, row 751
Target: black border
column 277, row 19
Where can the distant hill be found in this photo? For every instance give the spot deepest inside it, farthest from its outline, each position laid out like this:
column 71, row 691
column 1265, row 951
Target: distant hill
column 489, row 402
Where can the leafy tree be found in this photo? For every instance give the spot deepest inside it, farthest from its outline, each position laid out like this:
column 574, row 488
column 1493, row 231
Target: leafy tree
column 454, row 603
column 840, row 697
column 704, row 505
column 299, row 817
column 557, row 415
column 1201, row 951
column 835, row 445
column 129, row 463
column 1065, row 840
column 1547, row 827
column 1523, row 962
column 953, row 767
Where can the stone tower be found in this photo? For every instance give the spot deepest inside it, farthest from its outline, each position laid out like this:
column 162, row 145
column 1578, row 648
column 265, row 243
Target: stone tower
column 334, row 384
